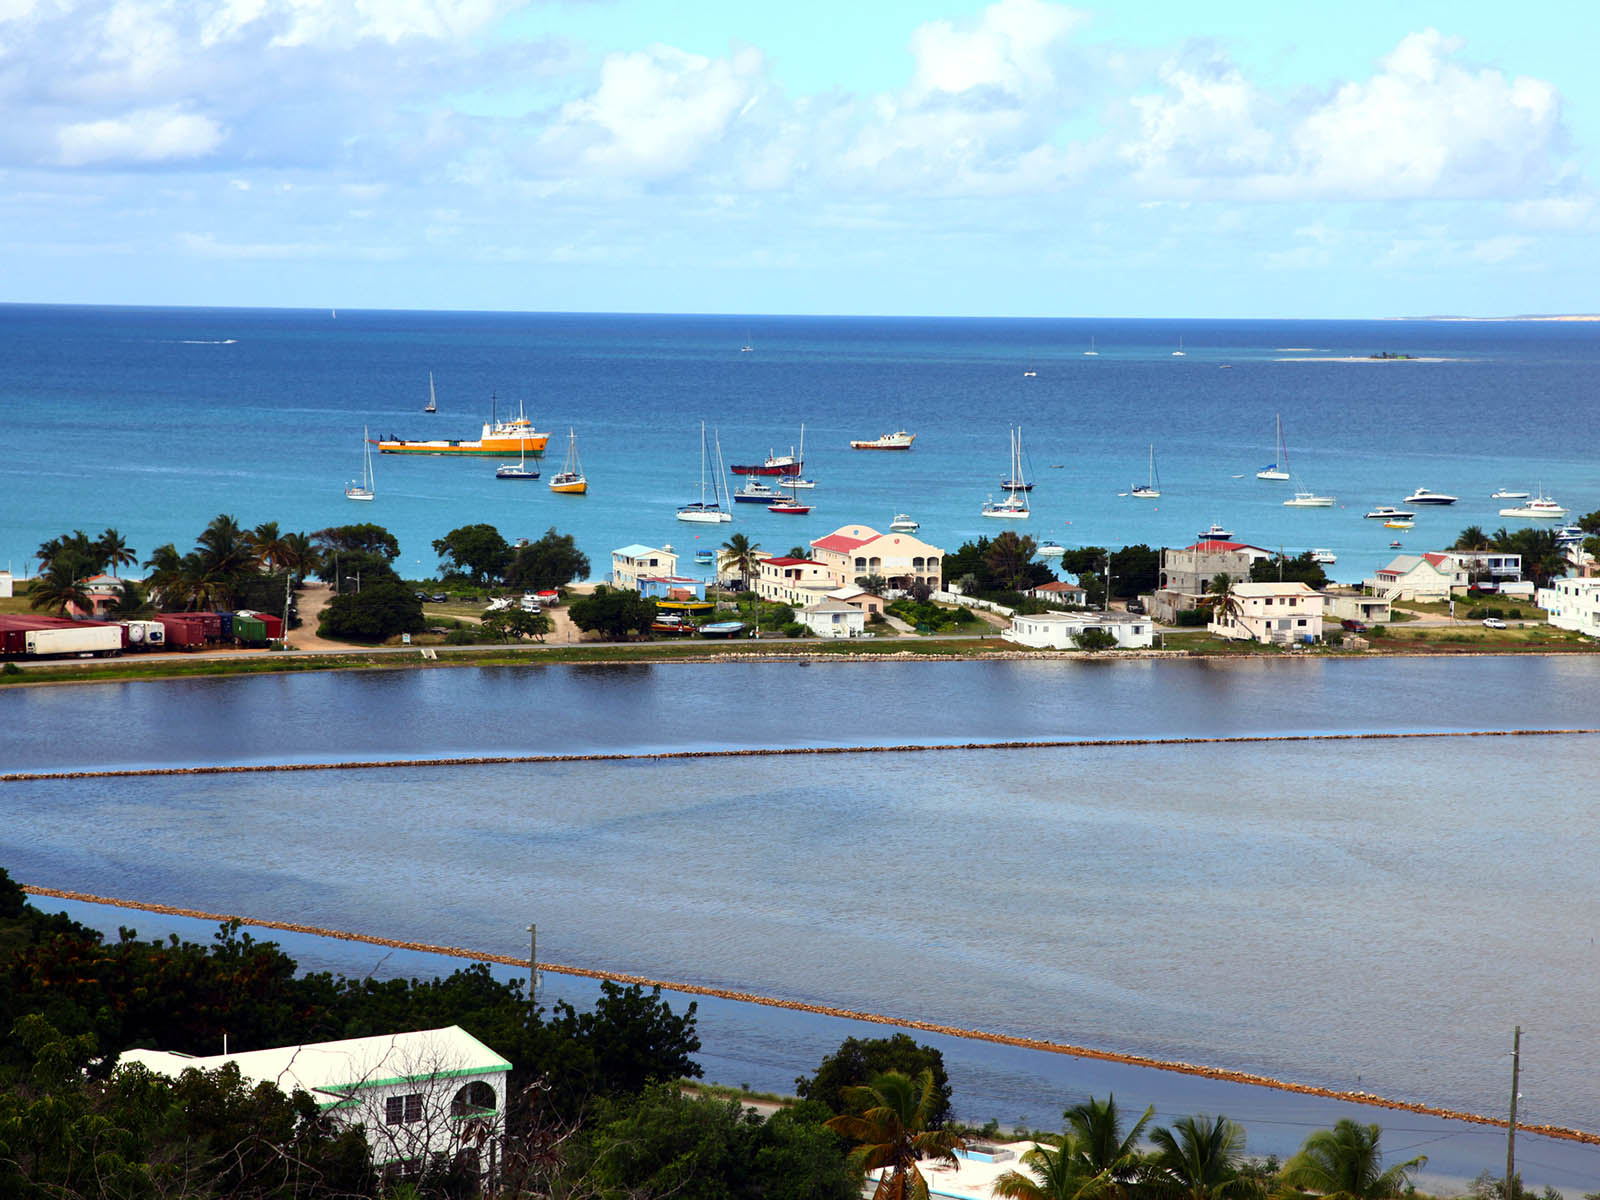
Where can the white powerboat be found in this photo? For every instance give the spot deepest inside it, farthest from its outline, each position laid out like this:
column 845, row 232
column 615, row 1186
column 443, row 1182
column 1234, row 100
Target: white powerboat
column 904, row 523
column 1215, row 534
column 1541, row 508
column 1424, row 496
column 1386, row 512
column 1508, row 494
column 1326, row 557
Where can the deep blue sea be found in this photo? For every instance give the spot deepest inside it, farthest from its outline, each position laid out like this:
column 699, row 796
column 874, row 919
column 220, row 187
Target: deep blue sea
column 153, row 421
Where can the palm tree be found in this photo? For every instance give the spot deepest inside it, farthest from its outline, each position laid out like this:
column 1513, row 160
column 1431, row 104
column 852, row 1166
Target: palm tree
column 1222, row 597
column 59, row 587
column 1056, row 1175
column 1471, row 538
column 890, row 1129
column 741, row 555
column 1105, row 1152
column 1198, row 1159
column 164, row 575
column 130, row 601
column 1345, row 1163
column 298, row 555
column 223, row 556
column 267, row 544
column 115, row 551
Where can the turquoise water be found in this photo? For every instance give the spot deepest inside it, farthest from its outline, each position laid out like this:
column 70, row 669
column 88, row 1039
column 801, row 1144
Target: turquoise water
column 154, row 420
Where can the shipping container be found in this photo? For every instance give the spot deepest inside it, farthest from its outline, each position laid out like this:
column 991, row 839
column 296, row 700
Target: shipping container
column 145, row 635
column 88, row 639
column 183, row 631
column 249, row 630
column 227, row 625
column 212, row 624
column 274, row 624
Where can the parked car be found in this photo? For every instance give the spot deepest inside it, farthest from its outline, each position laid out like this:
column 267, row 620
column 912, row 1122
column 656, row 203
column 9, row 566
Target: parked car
column 1136, row 606
column 1353, row 625
column 441, row 597
column 1493, row 623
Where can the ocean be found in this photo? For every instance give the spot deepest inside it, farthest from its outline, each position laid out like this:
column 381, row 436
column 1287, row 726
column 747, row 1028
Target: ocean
column 153, row 421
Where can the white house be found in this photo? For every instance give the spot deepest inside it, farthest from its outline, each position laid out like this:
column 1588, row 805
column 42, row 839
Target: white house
column 1060, row 630
column 635, row 562
column 1483, row 565
column 437, row 1091
column 1271, row 613
column 832, row 618
column 1057, row 591
column 1355, row 606
column 5, row 584
column 796, row 582
column 1415, row 577
column 1573, row 604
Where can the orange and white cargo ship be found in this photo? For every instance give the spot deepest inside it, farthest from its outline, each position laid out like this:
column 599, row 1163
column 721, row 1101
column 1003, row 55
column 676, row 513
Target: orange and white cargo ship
column 516, row 436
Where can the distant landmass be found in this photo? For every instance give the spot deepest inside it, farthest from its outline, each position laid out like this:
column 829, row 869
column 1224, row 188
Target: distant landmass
column 1518, row 317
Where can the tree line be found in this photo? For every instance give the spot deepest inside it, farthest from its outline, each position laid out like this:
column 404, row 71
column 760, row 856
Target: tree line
column 597, row 1104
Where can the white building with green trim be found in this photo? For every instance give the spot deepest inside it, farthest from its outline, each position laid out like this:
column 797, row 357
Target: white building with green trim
column 435, row 1091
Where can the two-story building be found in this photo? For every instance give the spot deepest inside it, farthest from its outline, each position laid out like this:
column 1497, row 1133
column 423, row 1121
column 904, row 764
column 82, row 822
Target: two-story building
column 1271, row 613
column 1186, row 574
column 797, row 582
column 435, row 1091
column 1414, row 577
column 631, row 563
column 1572, row 604
column 852, row 552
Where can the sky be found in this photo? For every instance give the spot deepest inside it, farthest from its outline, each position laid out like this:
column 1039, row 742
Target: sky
column 1144, row 158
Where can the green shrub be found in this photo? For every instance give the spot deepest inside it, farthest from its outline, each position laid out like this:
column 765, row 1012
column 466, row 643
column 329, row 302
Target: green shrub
column 1193, row 618
column 793, row 629
column 1096, row 639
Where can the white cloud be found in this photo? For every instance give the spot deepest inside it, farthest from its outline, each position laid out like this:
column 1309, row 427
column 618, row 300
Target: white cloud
column 1007, row 50
column 1429, row 127
column 656, row 112
column 147, row 136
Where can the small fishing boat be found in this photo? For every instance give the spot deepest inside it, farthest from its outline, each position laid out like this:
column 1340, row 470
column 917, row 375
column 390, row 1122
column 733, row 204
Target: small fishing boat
column 1508, row 494
column 1398, row 524
column 1216, row 533
column 1326, row 557
column 900, row 440
column 1305, row 498
column 705, row 557
column 362, row 490
column 1394, row 545
column 1050, row 550
column 722, row 629
column 903, row 523
column 756, row 492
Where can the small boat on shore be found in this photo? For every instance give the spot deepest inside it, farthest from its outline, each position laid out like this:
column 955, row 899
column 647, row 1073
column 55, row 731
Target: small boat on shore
column 899, row 440
column 722, row 629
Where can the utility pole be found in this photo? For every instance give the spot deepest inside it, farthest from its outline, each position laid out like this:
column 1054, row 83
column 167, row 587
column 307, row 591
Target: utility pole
column 533, row 964
column 1511, row 1128
column 1106, row 605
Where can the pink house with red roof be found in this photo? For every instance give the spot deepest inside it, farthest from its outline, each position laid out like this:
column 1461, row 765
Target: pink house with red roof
column 854, row 551
column 797, row 582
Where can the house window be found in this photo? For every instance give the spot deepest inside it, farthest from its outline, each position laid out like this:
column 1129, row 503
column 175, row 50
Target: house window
column 402, row 1110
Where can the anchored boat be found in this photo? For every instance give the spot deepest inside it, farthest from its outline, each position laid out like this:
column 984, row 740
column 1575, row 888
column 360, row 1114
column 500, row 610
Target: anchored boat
column 499, row 439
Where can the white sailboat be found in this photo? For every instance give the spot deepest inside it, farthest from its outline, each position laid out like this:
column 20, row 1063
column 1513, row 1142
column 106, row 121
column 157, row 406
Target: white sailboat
column 1015, row 505
column 1178, row 353
column 431, row 405
column 518, row 469
column 1152, row 489
column 1279, row 468
column 1091, row 352
column 362, row 490
column 703, row 510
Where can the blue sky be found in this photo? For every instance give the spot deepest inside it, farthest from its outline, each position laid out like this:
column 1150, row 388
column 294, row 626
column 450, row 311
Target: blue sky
column 1019, row 158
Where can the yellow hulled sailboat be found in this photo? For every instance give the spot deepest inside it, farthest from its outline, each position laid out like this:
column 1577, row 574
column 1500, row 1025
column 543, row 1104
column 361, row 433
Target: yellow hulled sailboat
column 570, row 479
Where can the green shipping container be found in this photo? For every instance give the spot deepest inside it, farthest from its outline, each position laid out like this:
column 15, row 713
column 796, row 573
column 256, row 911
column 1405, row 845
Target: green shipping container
column 248, row 629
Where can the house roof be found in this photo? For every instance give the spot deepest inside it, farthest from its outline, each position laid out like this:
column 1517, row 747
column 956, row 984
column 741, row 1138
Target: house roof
column 1057, row 585
column 790, row 562
column 637, row 551
column 842, row 543
column 830, row 605
column 1405, row 563
column 1216, row 547
column 330, row 1070
column 1288, row 587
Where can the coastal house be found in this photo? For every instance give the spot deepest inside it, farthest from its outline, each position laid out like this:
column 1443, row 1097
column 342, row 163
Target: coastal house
column 1060, row 630
column 1271, row 613
column 854, row 551
column 1471, row 566
column 796, row 582
column 868, row 603
column 436, row 1091
column 1058, row 591
column 1186, row 574
column 631, row 563
column 1414, row 577
column 1347, row 604
column 832, row 618
column 1572, row 604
